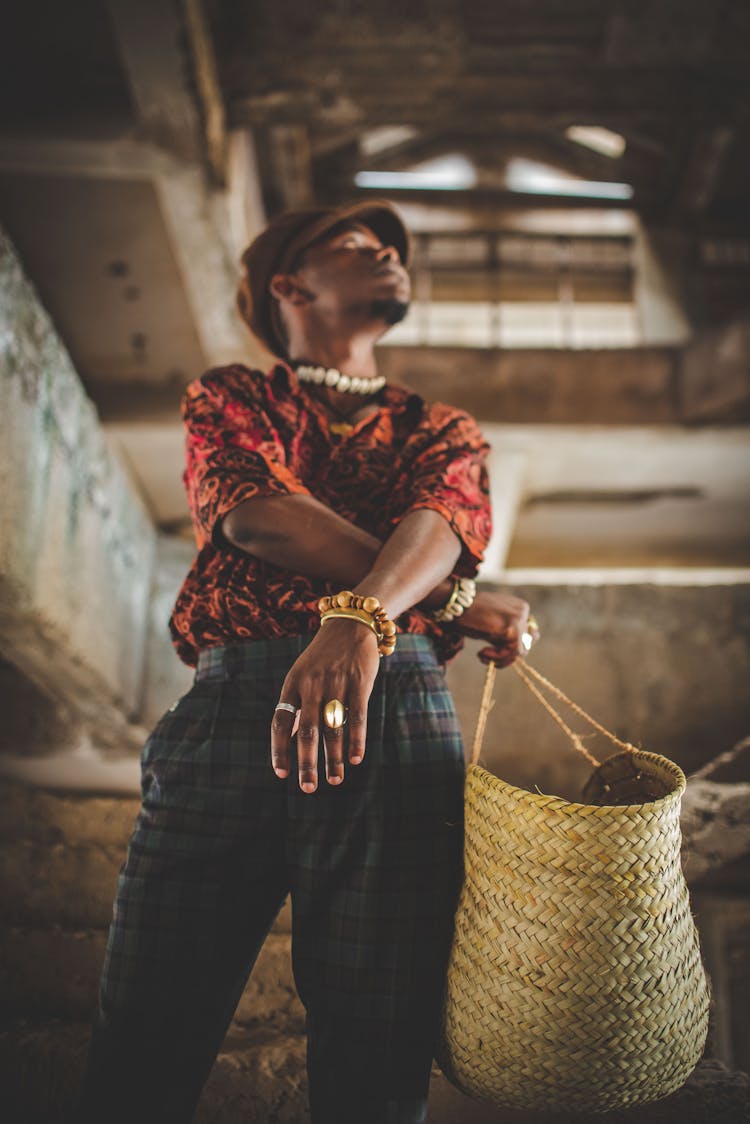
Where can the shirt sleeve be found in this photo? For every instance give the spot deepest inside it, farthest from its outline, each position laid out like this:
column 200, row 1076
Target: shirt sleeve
column 233, row 451
column 448, row 474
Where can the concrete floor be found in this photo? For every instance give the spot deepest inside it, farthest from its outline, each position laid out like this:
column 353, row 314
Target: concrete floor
column 449, row 1106
column 712, row 1095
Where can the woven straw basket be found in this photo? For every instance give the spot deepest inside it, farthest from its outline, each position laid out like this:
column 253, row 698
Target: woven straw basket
column 575, row 977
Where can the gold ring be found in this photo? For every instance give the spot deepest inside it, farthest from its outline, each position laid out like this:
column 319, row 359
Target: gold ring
column 334, row 714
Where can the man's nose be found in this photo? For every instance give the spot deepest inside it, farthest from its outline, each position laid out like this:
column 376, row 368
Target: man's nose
column 387, row 253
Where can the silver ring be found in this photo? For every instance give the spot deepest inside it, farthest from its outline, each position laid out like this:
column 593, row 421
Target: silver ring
column 286, row 706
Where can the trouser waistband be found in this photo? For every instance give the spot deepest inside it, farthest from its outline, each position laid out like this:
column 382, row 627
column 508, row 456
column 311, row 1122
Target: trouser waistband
column 257, row 656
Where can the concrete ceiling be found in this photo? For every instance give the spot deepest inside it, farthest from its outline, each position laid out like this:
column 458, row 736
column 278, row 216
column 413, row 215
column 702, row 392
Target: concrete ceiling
column 494, row 81
column 122, row 310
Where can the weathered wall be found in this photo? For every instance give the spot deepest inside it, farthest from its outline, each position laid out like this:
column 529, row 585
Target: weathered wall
column 76, row 545
column 167, row 678
column 602, row 386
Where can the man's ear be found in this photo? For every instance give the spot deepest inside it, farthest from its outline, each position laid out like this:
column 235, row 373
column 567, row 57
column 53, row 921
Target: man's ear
column 286, row 287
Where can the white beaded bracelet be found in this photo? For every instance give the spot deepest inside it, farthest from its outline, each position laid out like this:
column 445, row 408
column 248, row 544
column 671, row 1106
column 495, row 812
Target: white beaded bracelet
column 462, row 595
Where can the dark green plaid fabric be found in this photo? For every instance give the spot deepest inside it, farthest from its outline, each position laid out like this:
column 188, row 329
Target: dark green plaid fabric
column 373, row 866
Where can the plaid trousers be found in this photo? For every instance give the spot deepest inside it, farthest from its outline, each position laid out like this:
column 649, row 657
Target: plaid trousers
column 373, row 866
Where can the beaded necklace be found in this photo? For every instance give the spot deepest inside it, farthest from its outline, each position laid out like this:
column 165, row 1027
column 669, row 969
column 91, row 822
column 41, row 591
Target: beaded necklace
column 329, row 376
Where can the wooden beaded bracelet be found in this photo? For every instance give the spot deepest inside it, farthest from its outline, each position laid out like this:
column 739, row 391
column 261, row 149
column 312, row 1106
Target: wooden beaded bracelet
column 366, row 609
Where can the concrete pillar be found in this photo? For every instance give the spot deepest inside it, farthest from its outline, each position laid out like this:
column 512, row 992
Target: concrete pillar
column 661, row 262
column 76, row 545
column 507, row 470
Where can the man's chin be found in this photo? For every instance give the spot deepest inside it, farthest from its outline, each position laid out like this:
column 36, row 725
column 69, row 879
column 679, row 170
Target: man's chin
column 390, row 309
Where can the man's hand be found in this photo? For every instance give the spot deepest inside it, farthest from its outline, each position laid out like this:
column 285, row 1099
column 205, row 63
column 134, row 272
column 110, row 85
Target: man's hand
column 340, row 662
column 500, row 618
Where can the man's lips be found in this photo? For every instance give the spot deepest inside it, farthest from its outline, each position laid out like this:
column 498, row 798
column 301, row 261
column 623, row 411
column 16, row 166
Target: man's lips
column 389, row 267
column 395, row 274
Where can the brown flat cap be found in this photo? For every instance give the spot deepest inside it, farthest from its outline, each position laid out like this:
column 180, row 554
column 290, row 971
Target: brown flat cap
column 276, row 247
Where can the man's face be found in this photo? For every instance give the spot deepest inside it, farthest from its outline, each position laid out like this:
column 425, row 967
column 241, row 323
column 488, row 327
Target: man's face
column 349, row 268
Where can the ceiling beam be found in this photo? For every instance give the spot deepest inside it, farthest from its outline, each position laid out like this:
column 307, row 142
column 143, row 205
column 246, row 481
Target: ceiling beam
column 149, row 35
column 291, row 167
column 715, row 375
column 207, row 228
column 483, row 197
column 208, row 89
column 704, row 167
column 123, row 158
column 495, row 115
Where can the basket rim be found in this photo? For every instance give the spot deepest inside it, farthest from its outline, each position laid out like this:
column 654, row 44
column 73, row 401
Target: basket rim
column 561, row 804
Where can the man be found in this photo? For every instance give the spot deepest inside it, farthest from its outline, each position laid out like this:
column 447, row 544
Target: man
column 316, row 480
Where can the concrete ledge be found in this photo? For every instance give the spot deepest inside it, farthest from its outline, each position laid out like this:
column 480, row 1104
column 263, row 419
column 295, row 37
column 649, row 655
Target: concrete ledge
column 712, row 1095
column 61, row 854
column 42, row 884
column 256, row 1079
column 271, row 993
column 50, row 973
column 625, row 575
column 40, row 816
column 260, row 1078
column 53, row 972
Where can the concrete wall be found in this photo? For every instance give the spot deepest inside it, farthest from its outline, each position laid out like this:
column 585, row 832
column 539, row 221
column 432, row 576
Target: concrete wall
column 76, row 545
column 599, row 386
column 662, row 660
column 663, row 259
column 663, row 664
column 166, row 676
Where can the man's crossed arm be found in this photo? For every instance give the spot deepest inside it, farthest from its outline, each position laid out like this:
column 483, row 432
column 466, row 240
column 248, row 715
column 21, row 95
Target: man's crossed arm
column 411, row 568
column 301, row 534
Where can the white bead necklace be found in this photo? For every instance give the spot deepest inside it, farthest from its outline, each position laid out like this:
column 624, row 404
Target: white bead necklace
column 329, row 376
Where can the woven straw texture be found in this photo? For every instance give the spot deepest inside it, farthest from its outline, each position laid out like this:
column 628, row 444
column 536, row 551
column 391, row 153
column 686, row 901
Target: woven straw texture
column 575, row 975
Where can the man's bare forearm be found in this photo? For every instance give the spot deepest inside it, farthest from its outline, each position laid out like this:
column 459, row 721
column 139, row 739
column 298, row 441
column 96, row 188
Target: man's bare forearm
column 418, row 555
column 301, row 534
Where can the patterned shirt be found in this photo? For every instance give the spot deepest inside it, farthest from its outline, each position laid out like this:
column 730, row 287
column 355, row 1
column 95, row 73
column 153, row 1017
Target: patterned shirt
column 254, row 434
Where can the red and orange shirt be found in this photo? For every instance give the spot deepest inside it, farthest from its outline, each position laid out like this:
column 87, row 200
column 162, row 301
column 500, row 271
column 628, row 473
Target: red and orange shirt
column 254, row 434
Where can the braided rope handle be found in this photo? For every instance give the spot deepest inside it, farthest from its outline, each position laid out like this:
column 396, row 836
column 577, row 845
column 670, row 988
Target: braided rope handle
column 487, row 703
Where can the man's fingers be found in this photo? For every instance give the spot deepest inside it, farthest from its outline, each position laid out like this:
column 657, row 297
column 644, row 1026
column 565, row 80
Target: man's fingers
column 501, row 657
column 357, row 728
column 307, row 744
column 333, row 738
column 309, row 692
column 512, row 638
column 507, row 646
column 333, row 742
column 282, row 728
